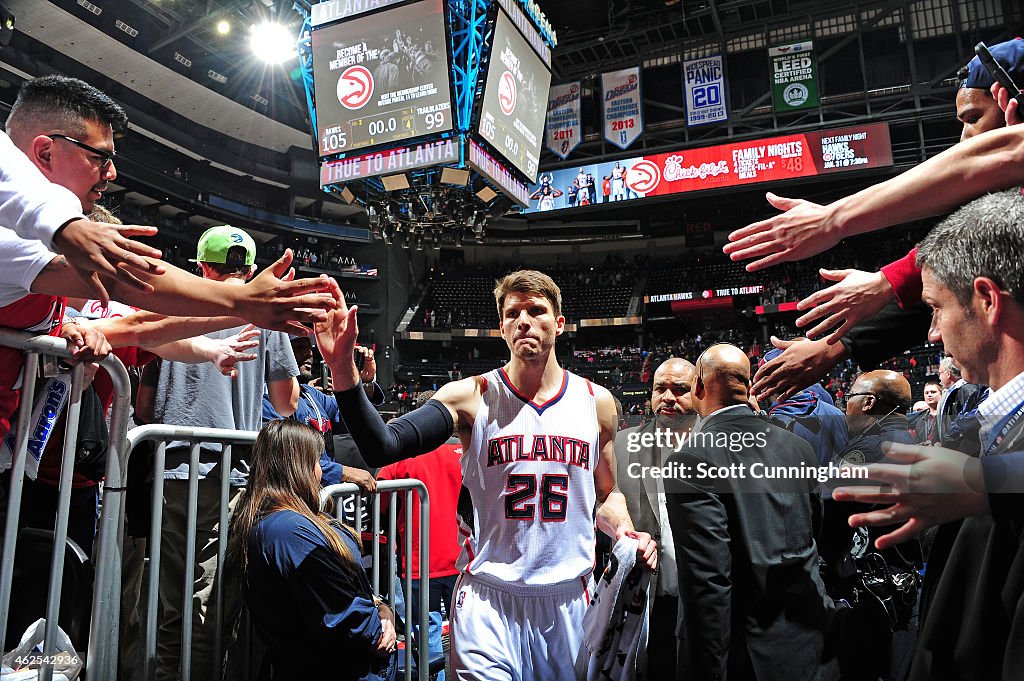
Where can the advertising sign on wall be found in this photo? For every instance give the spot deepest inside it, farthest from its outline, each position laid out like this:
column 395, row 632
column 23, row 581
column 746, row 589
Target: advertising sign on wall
column 727, row 165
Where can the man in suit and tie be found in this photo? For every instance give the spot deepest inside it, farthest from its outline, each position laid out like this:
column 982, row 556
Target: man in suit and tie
column 753, row 603
column 638, row 449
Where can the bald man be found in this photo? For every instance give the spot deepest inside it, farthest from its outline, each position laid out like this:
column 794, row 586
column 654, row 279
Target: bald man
column 637, row 450
column 753, row 603
column 876, row 413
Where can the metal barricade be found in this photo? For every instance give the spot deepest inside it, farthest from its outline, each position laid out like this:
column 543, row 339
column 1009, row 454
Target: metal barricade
column 102, row 645
column 162, row 435
column 393, row 487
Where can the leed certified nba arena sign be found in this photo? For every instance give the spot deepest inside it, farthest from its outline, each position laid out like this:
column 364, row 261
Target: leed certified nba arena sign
column 772, row 159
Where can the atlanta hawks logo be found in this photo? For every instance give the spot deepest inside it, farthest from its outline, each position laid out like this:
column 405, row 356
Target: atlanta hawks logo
column 355, row 87
column 643, row 177
column 507, row 93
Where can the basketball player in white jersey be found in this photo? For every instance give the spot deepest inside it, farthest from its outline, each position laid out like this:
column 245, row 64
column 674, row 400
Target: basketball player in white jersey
column 539, row 463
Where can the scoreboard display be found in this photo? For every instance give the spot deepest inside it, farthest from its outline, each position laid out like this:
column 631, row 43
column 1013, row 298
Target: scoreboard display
column 515, row 98
column 382, row 78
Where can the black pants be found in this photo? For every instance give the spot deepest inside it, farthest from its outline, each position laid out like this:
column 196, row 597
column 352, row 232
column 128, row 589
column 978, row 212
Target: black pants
column 664, row 654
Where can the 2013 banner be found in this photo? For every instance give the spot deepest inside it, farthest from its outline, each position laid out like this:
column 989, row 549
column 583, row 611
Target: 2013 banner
column 623, row 116
column 705, row 90
column 794, row 76
column 564, row 126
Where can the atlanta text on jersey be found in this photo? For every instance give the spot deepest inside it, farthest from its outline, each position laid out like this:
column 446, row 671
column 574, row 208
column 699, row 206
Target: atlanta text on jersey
column 561, row 448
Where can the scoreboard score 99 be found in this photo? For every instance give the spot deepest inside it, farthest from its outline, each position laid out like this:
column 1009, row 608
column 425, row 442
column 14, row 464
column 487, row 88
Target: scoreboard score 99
column 382, row 78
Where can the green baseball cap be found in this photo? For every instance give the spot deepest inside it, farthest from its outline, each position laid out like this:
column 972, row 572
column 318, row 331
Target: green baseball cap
column 223, row 244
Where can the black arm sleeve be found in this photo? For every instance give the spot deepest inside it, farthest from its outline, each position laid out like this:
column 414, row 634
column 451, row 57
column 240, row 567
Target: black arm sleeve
column 887, row 334
column 418, row 432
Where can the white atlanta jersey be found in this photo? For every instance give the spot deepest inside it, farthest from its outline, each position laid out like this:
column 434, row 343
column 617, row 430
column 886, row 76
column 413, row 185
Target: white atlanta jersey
column 530, row 473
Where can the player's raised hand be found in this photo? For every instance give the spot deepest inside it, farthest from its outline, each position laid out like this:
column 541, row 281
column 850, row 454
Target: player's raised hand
column 336, row 340
column 802, row 363
column 803, row 230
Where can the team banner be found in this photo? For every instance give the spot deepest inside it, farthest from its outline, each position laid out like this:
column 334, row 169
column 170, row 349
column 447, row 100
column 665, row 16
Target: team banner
column 794, row 76
column 623, row 119
column 564, row 123
column 705, row 90
column 773, row 159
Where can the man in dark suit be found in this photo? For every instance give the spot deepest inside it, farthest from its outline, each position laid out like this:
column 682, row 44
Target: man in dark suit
column 753, row 603
column 637, row 450
column 875, row 639
column 972, row 607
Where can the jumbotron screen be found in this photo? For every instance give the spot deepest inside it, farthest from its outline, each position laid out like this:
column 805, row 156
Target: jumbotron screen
column 515, row 98
column 382, row 78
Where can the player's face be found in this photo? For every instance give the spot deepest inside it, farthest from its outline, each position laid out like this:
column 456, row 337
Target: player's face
column 80, row 170
column 979, row 113
column 529, row 325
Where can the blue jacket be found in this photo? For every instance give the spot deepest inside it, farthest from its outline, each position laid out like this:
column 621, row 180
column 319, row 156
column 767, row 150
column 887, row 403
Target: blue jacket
column 320, row 412
column 315, row 614
column 816, row 421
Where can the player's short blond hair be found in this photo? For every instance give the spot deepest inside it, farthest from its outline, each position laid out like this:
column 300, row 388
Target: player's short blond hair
column 529, row 282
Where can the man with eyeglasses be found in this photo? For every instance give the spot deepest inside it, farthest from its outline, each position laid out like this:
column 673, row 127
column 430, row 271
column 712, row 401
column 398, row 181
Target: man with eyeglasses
column 876, row 413
column 65, row 128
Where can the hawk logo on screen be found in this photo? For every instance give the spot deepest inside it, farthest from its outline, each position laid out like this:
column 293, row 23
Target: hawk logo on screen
column 355, row 87
column 507, row 93
column 643, row 177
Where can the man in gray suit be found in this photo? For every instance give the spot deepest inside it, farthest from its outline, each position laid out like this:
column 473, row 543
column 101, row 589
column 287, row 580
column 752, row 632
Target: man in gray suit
column 637, row 450
column 753, row 603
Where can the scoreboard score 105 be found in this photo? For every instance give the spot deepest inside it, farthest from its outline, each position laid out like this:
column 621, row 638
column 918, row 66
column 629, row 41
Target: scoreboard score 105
column 382, row 78
column 371, row 131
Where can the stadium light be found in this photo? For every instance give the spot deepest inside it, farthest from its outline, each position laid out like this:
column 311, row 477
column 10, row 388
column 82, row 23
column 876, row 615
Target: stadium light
column 223, row 27
column 272, row 43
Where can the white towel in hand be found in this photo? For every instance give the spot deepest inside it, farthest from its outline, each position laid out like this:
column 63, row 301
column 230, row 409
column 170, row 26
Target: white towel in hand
column 616, row 625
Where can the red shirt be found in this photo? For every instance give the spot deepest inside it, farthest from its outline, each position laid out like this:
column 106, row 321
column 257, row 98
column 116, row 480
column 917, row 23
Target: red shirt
column 35, row 313
column 905, row 278
column 441, row 472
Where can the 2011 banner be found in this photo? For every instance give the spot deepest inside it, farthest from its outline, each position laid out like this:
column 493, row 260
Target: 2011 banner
column 621, row 105
column 727, row 165
column 564, row 127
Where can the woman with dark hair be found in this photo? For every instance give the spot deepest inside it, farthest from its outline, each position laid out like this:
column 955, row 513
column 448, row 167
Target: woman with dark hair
column 306, row 591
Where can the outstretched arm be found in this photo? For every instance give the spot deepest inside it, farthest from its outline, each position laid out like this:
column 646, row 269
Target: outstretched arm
column 988, row 162
column 418, row 432
column 271, row 300
column 35, row 208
